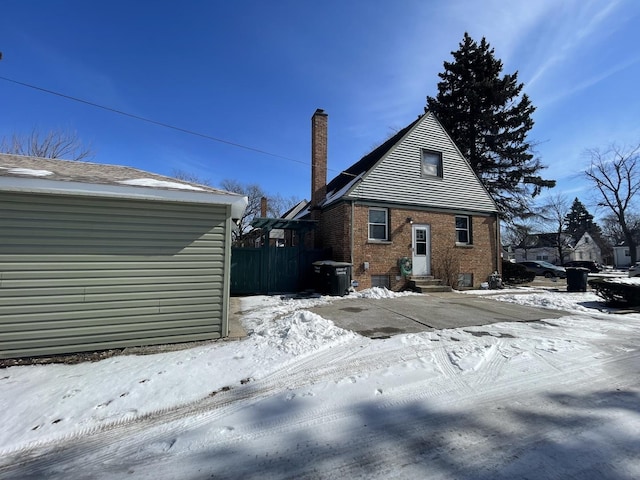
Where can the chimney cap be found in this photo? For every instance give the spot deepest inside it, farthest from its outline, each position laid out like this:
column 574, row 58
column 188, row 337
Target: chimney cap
column 320, row 111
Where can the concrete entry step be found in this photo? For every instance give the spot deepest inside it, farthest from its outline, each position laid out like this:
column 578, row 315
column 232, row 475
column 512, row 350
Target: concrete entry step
column 427, row 284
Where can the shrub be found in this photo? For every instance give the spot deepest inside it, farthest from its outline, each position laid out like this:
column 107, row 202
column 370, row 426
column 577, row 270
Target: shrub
column 516, row 273
column 616, row 293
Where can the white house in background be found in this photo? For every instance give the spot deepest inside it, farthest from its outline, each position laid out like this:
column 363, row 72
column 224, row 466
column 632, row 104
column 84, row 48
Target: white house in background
column 586, row 249
column 544, row 246
column 621, row 256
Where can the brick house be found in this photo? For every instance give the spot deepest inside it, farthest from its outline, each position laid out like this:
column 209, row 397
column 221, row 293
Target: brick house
column 414, row 202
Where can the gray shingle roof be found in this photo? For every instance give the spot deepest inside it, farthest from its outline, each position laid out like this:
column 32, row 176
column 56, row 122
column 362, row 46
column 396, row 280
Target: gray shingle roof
column 92, row 173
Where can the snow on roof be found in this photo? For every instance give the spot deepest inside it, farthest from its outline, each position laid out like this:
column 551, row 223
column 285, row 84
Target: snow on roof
column 337, row 194
column 28, row 171
column 66, row 177
column 151, row 182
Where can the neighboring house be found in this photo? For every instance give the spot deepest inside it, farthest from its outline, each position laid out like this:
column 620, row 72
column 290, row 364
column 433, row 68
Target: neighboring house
column 586, row 248
column 100, row 256
column 544, row 246
column 508, row 254
column 279, row 237
column 621, row 256
column 414, row 197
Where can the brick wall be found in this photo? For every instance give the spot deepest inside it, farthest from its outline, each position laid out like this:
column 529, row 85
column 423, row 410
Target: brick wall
column 333, row 231
column 382, row 258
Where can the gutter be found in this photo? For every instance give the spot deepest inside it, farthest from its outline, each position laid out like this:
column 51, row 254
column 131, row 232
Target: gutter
column 57, row 187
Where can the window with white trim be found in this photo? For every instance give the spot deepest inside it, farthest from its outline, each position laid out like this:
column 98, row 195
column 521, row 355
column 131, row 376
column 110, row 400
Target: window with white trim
column 378, row 224
column 431, row 164
column 463, row 230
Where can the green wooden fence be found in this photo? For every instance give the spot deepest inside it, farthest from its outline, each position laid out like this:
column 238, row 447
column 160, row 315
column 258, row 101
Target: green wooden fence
column 269, row 270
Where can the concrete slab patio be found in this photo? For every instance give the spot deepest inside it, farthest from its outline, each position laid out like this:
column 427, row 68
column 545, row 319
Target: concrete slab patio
column 419, row 313
column 378, row 318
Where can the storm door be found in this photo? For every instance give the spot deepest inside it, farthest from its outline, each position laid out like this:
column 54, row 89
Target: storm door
column 421, row 248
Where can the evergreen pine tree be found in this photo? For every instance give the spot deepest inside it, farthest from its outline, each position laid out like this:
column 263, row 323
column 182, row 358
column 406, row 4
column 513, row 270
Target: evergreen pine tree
column 489, row 120
column 579, row 220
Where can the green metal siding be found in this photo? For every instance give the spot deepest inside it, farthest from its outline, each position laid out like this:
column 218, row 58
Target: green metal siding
column 398, row 176
column 87, row 273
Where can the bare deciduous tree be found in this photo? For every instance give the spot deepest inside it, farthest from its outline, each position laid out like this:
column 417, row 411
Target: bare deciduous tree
column 554, row 213
column 613, row 233
column 521, row 234
column 276, row 205
column 615, row 173
column 58, row 143
column 190, row 177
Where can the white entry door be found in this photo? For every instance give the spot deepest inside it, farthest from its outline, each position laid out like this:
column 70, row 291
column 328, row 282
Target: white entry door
column 421, row 247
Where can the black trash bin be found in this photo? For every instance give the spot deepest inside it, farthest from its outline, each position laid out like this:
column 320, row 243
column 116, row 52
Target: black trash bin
column 332, row 278
column 577, row 279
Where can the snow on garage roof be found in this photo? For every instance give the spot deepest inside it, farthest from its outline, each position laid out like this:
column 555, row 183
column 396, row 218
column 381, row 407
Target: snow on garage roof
column 43, row 175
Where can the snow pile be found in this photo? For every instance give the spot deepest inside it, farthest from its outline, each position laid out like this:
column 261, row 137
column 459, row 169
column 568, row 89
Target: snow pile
column 300, row 333
column 380, row 292
column 569, row 302
column 624, row 280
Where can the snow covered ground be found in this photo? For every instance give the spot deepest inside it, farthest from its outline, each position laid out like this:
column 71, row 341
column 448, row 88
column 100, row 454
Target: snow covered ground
column 301, row 398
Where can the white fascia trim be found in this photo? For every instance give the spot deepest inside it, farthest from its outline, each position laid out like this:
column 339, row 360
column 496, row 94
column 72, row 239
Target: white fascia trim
column 55, row 187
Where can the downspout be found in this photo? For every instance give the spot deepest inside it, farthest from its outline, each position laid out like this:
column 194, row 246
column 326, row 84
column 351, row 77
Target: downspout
column 351, row 238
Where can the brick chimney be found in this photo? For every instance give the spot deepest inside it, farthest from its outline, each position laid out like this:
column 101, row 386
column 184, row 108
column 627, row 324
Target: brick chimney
column 318, row 157
column 263, row 207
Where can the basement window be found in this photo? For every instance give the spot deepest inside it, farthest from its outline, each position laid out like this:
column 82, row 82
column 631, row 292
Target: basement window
column 380, row 281
column 465, row 280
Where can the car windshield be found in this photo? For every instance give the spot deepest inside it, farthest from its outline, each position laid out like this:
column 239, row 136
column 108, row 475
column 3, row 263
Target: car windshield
column 547, row 265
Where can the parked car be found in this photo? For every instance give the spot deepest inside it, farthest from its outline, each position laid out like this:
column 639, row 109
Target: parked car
column 634, row 270
column 547, row 269
column 594, row 267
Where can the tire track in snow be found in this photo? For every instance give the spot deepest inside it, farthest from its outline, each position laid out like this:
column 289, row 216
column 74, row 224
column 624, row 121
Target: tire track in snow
column 340, row 362
column 336, row 363
column 387, row 410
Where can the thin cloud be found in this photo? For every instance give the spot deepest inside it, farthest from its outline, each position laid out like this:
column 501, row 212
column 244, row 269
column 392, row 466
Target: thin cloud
column 576, row 28
column 573, row 89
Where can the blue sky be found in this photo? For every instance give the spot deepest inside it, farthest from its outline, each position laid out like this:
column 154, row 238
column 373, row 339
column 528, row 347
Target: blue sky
column 253, row 72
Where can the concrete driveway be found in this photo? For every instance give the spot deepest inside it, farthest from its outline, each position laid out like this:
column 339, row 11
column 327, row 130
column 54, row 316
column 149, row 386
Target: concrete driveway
column 420, row 313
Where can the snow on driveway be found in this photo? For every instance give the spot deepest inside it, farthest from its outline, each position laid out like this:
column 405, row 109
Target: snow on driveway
column 301, row 398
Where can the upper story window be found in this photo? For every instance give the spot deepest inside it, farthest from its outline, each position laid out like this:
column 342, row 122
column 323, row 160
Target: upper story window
column 378, row 224
column 431, row 164
column 463, row 230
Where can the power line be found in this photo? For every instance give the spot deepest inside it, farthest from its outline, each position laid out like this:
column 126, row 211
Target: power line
column 155, row 122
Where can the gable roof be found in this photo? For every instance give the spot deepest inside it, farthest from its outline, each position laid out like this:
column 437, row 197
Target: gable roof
column 348, row 176
column 392, row 172
column 42, row 175
column 544, row 240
